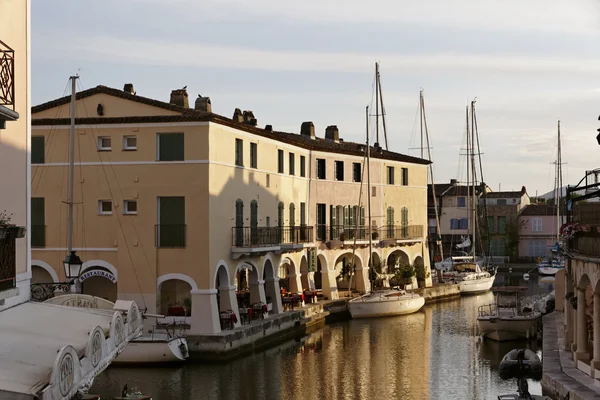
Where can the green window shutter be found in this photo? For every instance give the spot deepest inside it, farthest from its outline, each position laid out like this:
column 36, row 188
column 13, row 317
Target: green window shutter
column 404, row 216
column 292, row 214
column 38, row 149
column 253, row 214
column 170, row 147
column 390, row 216
column 280, row 215
column 362, row 216
column 171, row 229
column 333, row 215
column 38, row 222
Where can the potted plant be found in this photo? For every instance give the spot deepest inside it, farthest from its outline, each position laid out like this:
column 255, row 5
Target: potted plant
column 187, row 304
column 407, row 272
column 421, row 274
column 6, row 228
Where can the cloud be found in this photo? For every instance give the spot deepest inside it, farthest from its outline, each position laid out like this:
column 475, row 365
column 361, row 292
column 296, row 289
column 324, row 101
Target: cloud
column 103, row 48
column 544, row 15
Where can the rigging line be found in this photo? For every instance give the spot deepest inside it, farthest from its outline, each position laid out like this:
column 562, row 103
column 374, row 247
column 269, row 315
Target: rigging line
column 356, row 223
column 119, row 219
column 83, row 245
column 112, row 196
column 47, row 149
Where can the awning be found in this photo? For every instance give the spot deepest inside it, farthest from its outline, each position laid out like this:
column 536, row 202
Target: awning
column 52, row 351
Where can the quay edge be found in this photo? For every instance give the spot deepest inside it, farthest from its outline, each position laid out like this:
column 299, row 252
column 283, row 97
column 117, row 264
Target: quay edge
column 292, row 325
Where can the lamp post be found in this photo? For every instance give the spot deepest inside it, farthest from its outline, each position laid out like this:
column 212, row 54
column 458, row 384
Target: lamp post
column 43, row 291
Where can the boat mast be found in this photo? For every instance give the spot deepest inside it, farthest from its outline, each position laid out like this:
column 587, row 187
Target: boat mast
column 376, row 104
column 438, row 239
column 71, row 165
column 382, row 109
column 558, row 185
column 473, row 179
column 469, row 200
column 369, row 197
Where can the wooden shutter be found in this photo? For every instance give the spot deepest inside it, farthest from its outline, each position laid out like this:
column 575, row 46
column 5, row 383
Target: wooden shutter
column 170, row 146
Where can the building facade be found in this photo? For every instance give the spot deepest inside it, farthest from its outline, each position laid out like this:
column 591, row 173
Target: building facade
column 537, row 231
column 178, row 206
column 503, row 210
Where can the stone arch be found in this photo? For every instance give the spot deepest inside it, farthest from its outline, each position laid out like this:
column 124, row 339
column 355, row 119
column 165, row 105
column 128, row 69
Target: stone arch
column 322, row 268
column 182, row 277
column 248, row 283
column 396, row 258
column 100, row 263
column 421, row 270
column 222, row 274
column 45, row 266
column 287, row 275
column 271, row 286
column 174, row 294
column 344, row 266
column 584, row 281
column 304, row 276
column 102, row 286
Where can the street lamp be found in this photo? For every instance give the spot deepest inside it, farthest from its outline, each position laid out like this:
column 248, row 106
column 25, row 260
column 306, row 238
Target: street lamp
column 43, row 291
column 72, row 265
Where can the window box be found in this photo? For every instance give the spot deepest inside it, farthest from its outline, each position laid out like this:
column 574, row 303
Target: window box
column 129, row 143
column 104, row 143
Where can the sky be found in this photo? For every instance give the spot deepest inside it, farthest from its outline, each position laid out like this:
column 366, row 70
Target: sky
column 527, row 63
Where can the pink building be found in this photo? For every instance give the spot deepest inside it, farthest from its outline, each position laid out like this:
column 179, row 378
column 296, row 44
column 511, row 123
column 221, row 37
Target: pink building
column 537, row 230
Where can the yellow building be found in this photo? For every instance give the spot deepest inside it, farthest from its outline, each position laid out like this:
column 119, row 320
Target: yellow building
column 178, row 206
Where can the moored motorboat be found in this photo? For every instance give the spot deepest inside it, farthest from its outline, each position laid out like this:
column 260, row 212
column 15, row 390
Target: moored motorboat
column 504, row 320
column 154, row 349
column 550, row 267
column 385, row 303
column 471, row 279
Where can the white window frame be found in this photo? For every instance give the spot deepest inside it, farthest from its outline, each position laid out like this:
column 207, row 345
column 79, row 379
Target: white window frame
column 536, row 225
column 126, row 146
column 100, row 211
column 126, row 207
column 101, row 147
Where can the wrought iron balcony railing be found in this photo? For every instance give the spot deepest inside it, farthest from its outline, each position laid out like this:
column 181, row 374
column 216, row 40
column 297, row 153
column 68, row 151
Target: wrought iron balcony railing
column 38, row 235
column 170, row 235
column 8, row 267
column 7, row 76
column 401, row 232
column 263, row 236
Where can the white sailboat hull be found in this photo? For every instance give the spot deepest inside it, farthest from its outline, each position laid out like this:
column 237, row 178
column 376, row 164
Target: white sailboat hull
column 144, row 350
column 511, row 328
column 474, row 286
column 548, row 270
column 385, row 304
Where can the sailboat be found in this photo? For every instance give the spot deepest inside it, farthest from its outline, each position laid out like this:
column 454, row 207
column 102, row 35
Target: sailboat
column 553, row 264
column 386, row 302
column 152, row 347
column 471, row 276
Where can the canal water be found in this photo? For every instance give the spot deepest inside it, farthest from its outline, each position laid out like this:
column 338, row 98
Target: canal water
column 433, row 354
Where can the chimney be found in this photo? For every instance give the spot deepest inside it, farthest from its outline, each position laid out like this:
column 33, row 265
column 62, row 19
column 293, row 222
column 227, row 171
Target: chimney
column 249, row 118
column 453, row 181
column 237, row 115
column 128, row 88
column 203, row 104
column 332, row 133
column 269, row 128
column 179, row 97
column 523, row 190
column 308, row 129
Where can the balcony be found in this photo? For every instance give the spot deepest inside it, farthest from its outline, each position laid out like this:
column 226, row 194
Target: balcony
column 7, row 84
column 397, row 234
column 587, row 244
column 170, row 235
column 8, row 268
column 263, row 238
column 38, row 235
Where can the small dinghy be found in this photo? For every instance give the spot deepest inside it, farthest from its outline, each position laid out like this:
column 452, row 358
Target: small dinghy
column 519, row 363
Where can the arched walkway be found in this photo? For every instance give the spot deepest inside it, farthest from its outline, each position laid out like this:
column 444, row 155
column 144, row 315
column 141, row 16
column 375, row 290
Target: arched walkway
column 42, row 272
column 395, row 260
column 421, row 271
column 306, row 279
column 376, row 271
column 174, row 294
column 271, row 287
column 289, row 279
column 247, row 285
column 346, row 266
column 99, row 278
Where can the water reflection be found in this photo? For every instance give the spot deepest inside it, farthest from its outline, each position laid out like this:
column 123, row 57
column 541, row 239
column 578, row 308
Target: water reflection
column 432, row 354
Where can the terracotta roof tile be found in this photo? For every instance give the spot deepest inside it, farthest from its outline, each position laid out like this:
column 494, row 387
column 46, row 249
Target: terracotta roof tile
column 538, row 209
column 191, row 115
